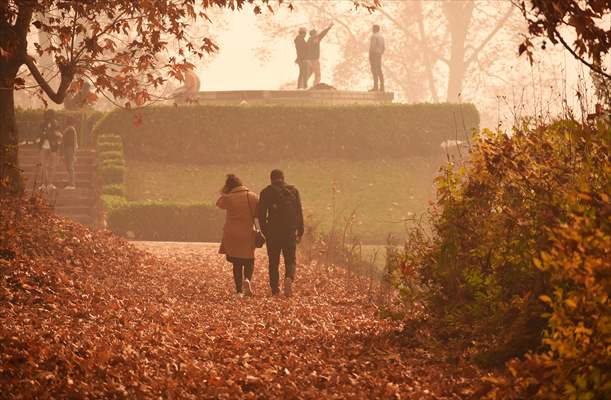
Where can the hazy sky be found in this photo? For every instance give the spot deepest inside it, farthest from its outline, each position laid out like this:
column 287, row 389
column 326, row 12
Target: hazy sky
column 237, row 67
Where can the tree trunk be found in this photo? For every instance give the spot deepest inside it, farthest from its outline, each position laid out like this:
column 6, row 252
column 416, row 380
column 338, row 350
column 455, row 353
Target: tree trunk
column 10, row 175
column 458, row 14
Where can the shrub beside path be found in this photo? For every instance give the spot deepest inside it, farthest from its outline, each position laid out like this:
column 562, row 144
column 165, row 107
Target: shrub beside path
column 85, row 314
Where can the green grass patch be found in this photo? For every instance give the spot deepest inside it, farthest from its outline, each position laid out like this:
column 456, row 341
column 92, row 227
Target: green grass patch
column 383, row 193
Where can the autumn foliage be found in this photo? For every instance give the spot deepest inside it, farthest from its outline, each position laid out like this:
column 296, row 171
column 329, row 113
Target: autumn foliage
column 83, row 314
column 518, row 259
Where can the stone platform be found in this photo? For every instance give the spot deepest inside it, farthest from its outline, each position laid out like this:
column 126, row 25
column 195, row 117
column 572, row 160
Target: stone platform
column 331, row 97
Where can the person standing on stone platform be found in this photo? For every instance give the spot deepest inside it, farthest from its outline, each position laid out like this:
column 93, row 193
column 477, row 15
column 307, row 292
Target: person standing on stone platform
column 376, row 49
column 314, row 53
column 302, row 59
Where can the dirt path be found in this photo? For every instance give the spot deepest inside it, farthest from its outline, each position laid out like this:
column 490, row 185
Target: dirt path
column 325, row 342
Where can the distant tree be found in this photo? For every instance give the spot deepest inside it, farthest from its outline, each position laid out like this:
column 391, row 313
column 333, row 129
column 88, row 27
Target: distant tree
column 589, row 21
column 119, row 46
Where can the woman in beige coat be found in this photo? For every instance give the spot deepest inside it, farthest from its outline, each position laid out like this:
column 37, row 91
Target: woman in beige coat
column 238, row 242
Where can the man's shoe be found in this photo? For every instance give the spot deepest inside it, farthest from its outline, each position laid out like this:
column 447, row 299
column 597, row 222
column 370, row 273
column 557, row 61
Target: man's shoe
column 288, row 287
column 51, row 187
column 373, row 90
column 71, row 187
column 247, row 288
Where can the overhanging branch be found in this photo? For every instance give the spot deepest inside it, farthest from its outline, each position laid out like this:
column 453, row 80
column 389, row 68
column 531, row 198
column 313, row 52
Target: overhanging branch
column 592, row 66
column 66, row 73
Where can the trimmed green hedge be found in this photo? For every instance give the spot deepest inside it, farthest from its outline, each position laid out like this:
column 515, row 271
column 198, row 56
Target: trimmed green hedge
column 112, row 162
column 112, row 202
column 116, row 189
column 164, row 221
column 110, row 155
column 217, row 134
column 112, row 174
column 29, row 123
column 110, row 146
column 109, row 139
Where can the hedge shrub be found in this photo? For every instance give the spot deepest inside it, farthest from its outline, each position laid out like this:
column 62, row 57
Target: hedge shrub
column 109, row 139
column 29, row 123
column 118, row 162
column 110, row 155
column 113, row 189
column 111, row 201
column 109, row 146
column 166, row 221
column 112, row 174
column 217, row 134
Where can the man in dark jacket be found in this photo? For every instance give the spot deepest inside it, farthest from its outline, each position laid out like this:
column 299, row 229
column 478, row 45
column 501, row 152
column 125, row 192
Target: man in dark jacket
column 314, row 53
column 302, row 59
column 281, row 219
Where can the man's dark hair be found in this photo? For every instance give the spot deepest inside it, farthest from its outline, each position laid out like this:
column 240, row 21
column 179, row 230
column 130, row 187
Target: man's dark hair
column 376, row 28
column 231, row 183
column 277, row 175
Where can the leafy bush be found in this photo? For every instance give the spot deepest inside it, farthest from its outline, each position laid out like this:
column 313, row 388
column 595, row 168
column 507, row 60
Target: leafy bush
column 497, row 220
column 218, row 134
column 29, row 123
column 166, row 221
column 114, row 189
column 576, row 360
column 112, row 174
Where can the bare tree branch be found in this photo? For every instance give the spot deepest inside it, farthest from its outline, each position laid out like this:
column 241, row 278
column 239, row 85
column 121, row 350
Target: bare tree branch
column 491, row 35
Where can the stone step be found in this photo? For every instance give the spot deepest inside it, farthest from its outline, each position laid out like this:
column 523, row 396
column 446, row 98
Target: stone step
column 35, row 159
column 60, row 174
column 60, row 183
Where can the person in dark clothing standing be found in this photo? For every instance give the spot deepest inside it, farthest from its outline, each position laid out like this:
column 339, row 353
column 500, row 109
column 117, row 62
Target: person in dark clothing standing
column 314, row 53
column 376, row 49
column 48, row 143
column 281, row 219
column 302, row 59
column 69, row 147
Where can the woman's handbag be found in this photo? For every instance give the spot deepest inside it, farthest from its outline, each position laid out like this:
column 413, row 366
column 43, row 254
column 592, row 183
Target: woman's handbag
column 259, row 238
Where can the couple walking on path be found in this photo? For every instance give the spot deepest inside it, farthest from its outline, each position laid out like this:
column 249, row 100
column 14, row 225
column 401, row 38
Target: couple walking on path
column 278, row 210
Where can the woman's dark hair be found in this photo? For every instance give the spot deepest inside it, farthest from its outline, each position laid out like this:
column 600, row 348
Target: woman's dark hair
column 231, row 183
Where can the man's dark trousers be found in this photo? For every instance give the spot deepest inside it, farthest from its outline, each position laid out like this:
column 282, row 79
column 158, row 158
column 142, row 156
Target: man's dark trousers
column 302, row 80
column 375, row 60
column 285, row 245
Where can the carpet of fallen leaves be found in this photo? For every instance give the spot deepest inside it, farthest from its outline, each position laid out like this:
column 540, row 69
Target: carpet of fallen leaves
column 86, row 314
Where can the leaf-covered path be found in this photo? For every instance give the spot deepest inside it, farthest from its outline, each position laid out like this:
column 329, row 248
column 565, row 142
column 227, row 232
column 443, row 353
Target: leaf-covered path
column 324, row 342
column 85, row 315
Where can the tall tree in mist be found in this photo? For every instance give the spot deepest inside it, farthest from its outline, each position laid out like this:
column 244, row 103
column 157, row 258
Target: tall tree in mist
column 434, row 49
column 119, row 46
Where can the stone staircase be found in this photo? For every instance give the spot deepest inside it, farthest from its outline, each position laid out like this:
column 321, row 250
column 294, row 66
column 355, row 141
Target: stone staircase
column 78, row 205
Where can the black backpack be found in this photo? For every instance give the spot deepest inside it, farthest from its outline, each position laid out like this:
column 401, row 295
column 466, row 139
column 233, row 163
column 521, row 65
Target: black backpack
column 284, row 210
